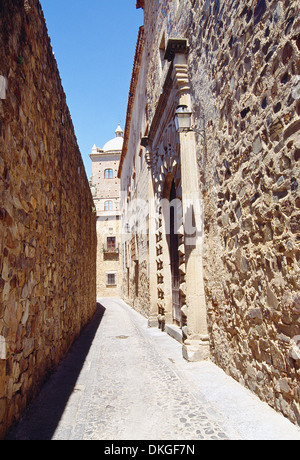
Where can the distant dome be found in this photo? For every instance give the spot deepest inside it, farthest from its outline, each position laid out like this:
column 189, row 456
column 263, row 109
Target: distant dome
column 115, row 144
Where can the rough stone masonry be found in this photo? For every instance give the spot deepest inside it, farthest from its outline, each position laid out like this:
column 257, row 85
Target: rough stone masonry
column 244, row 66
column 47, row 227
column 242, row 70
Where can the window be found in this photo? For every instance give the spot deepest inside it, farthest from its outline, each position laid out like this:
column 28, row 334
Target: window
column 111, row 279
column 111, row 247
column 111, row 243
column 108, row 174
column 108, row 206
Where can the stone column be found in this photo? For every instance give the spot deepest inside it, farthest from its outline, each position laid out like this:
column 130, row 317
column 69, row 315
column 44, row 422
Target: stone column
column 196, row 343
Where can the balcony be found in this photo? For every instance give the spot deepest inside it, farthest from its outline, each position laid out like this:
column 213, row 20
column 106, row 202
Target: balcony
column 111, row 248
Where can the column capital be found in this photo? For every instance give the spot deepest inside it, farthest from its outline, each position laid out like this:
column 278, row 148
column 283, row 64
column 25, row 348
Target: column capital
column 176, row 46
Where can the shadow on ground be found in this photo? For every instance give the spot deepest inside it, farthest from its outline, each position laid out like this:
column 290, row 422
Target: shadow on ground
column 41, row 419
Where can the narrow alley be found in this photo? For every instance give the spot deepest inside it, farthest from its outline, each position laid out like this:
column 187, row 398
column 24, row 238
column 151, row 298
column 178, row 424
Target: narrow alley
column 125, row 381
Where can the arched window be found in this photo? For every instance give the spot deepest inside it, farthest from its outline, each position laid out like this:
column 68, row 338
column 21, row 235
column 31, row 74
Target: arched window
column 108, row 206
column 108, row 174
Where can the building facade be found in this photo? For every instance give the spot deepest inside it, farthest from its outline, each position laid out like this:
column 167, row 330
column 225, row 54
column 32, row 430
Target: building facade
column 105, row 187
column 211, row 207
column 137, row 264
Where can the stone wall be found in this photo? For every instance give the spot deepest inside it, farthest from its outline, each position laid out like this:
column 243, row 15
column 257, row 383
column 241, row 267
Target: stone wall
column 47, row 228
column 243, row 67
column 106, row 189
column 135, row 241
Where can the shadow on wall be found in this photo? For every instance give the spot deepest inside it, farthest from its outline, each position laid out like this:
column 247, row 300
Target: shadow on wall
column 42, row 417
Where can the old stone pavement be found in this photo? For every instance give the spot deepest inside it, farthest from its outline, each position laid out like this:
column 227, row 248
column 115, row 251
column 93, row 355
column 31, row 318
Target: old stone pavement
column 125, row 381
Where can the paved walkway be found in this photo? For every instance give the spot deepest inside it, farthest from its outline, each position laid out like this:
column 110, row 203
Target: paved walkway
column 124, row 381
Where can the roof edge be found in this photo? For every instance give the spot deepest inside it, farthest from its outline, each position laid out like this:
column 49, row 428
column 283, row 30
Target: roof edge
column 132, row 93
column 140, row 4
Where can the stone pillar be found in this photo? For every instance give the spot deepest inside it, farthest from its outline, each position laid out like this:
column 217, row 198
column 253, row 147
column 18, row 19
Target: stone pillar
column 196, row 343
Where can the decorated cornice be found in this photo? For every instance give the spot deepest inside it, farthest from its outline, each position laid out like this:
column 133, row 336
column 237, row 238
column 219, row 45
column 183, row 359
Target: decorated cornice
column 175, row 46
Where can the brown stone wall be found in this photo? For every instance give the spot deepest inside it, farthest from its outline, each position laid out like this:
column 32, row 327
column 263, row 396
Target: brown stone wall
column 243, row 67
column 139, row 288
column 47, row 228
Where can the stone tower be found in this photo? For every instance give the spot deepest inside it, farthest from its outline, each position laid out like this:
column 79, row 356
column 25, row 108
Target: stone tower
column 106, row 193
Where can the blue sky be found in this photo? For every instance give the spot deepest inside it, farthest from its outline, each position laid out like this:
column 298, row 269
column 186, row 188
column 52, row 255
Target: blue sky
column 94, row 44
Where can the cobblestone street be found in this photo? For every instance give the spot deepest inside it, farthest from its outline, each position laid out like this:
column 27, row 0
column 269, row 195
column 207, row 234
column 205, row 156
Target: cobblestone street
column 125, row 381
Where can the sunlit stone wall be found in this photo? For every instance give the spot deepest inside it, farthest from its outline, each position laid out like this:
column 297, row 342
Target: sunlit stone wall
column 243, row 66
